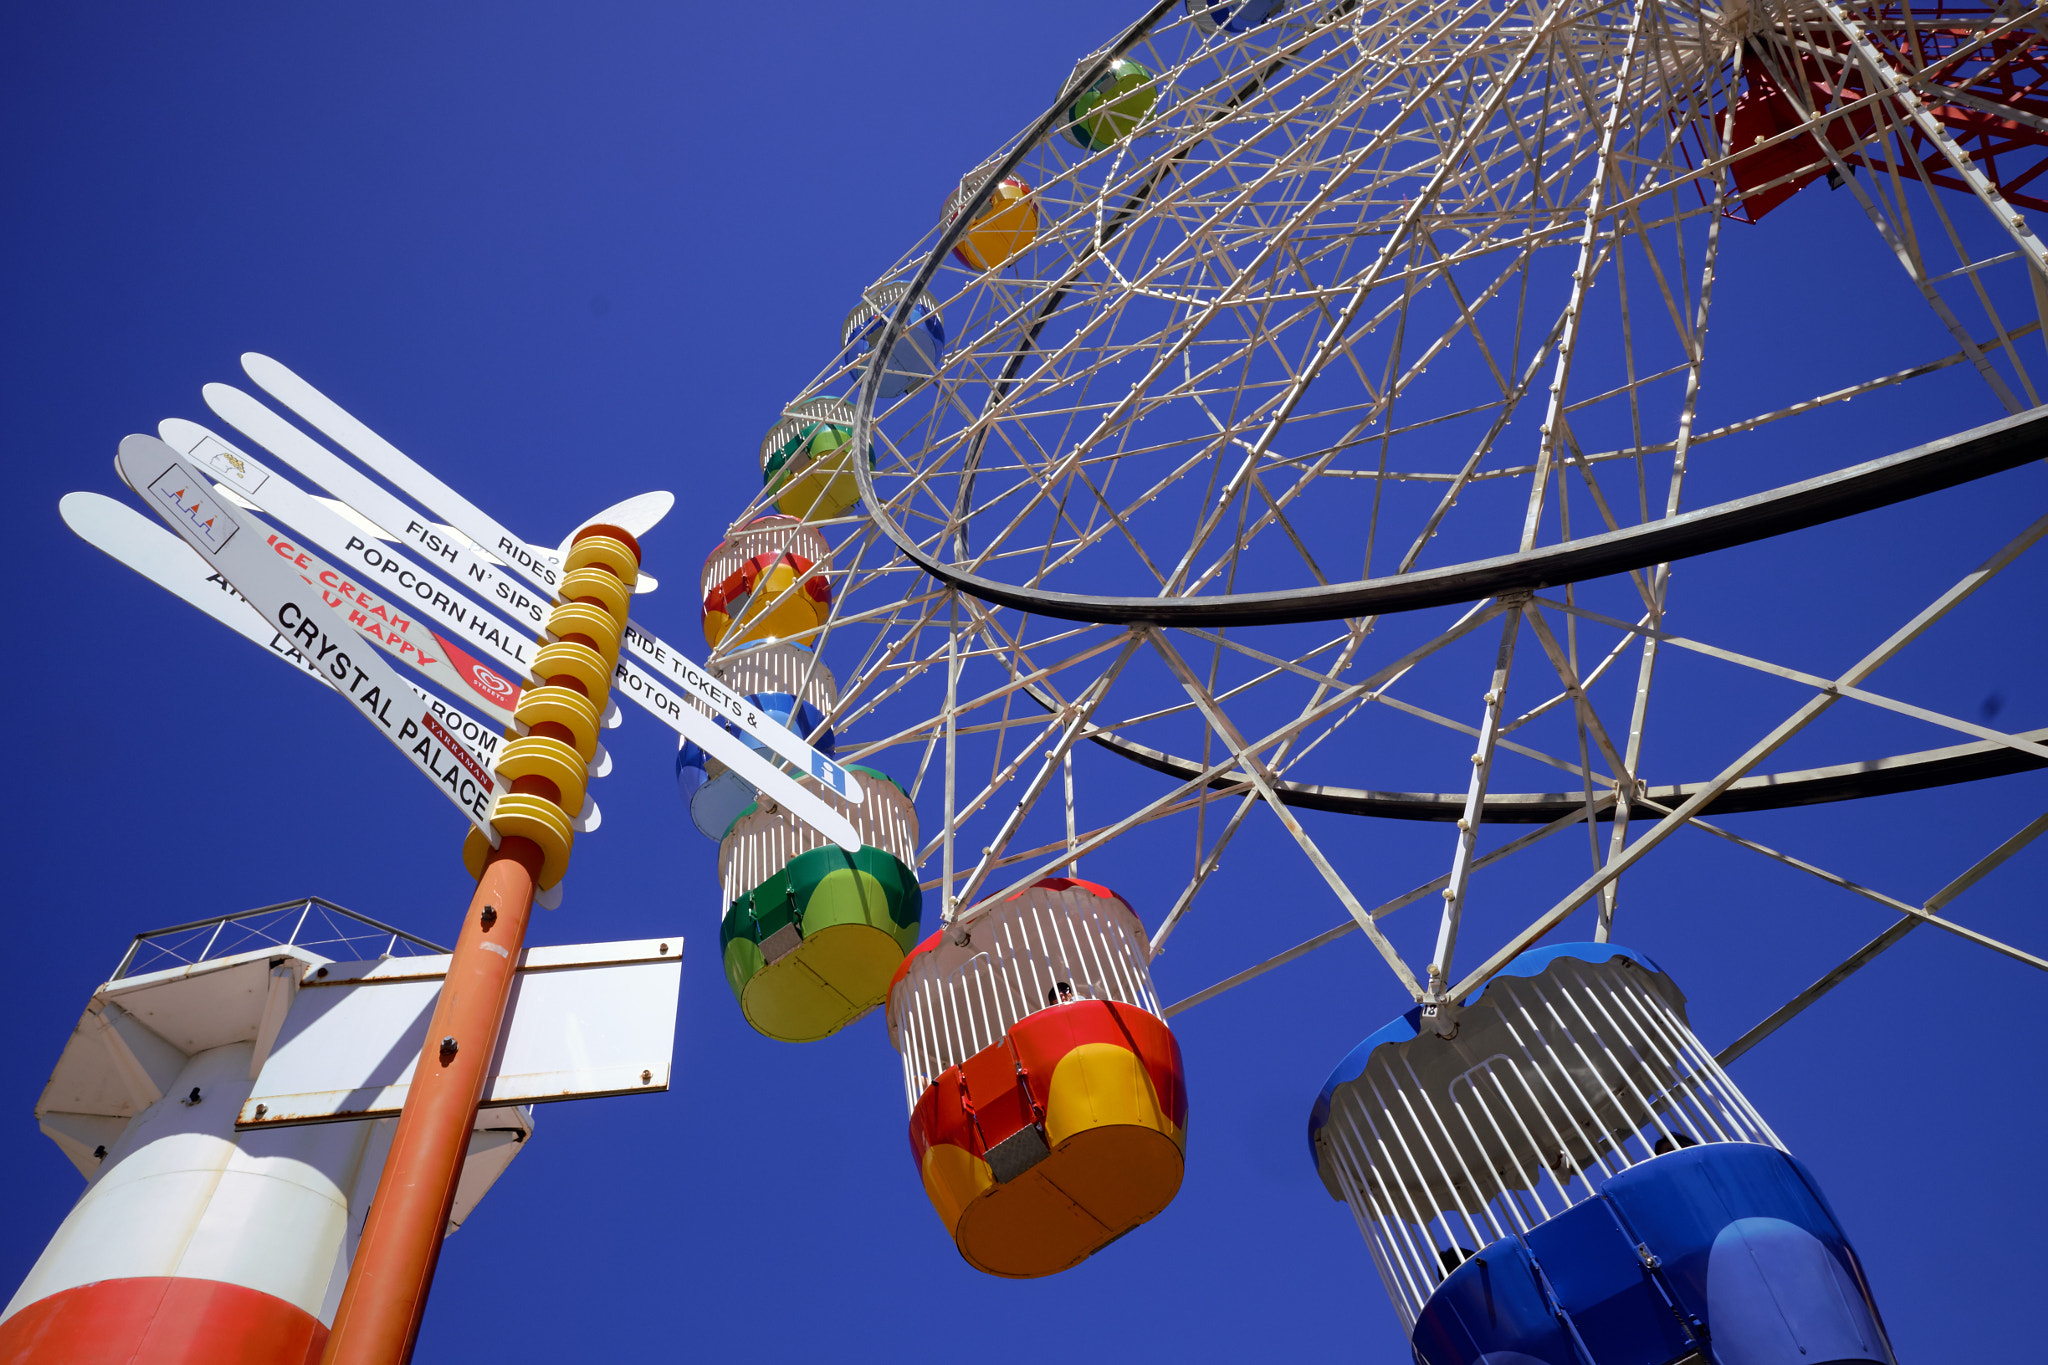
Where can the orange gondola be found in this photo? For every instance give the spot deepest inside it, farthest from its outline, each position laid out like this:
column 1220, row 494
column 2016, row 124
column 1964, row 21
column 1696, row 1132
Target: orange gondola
column 1048, row 1102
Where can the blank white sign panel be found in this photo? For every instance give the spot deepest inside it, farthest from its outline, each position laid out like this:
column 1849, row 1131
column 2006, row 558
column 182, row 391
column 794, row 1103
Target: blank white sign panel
column 589, row 1020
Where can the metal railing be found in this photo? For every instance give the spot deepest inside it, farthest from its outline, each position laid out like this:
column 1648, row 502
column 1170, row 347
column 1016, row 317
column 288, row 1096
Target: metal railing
column 305, row 922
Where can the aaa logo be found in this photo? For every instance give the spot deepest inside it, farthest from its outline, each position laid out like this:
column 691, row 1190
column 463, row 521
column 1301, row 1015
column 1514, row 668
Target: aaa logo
column 196, row 511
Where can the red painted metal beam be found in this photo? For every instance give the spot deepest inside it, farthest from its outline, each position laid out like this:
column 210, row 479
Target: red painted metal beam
column 2011, row 71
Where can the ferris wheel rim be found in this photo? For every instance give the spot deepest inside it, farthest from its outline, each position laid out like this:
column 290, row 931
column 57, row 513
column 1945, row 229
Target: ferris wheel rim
column 1810, row 502
column 949, row 235
column 1912, row 473
column 1862, row 779
column 1964, row 457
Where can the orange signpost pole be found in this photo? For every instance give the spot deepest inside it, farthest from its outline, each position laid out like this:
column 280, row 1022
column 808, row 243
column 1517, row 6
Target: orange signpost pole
column 386, row 1295
column 387, row 1287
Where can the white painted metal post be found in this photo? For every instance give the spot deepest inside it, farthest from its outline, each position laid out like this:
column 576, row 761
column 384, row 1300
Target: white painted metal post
column 1475, row 806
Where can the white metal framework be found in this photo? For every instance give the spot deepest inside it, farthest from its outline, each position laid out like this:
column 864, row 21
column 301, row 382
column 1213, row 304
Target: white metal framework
column 769, row 534
column 787, row 670
column 311, row 922
column 1369, row 303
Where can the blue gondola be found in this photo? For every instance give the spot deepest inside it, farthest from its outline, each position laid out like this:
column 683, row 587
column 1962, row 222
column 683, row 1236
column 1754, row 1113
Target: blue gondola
column 715, row 794
column 1559, row 1173
column 915, row 357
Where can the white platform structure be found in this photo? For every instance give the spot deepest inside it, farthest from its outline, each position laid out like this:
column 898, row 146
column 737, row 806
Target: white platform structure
column 215, row 1203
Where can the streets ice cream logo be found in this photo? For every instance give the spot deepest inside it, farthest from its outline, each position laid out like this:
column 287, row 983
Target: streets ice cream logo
column 486, row 683
column 197, row 514
column 490, row 681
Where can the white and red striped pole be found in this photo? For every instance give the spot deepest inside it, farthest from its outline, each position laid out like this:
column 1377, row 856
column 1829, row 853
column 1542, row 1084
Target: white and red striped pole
column 193, row 1243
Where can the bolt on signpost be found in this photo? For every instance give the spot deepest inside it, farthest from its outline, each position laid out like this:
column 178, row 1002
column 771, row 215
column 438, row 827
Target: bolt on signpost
column 525, row 796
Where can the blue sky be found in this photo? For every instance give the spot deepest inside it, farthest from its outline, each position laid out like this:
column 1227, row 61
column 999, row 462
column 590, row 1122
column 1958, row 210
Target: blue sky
column 567, row 254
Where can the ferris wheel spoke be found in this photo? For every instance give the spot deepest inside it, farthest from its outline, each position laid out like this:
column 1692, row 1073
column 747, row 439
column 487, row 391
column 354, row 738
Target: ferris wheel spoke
column 1585, row 719
column 1480, row 451
column 1262, row 778
column 2004, row 335
column 1901, row 247
column 1348, row 647
column 1458, row 884
column 871, row 669
column 1693, row 338
column 1246, row 469
column 1575, row 460
column 1583, row 277
column 1051, row 857
column 1869, row 951
column 1117, row 417
column 1182, row 798
column 1814, row 680
column 1433, row 887
column 1373, row 686
column 1676, row 311
column 1607, row 661
column 881, row 613
column 1358, row 295
column 1467, row 321
column 1294, row 666
column 1756, row 753
column 967, row 809
column 1423, row 713
column 1884, row 73
column 1588, row 718
column 1070, row 727
column 1205, row 865
column 1510, row 396
column 1921, row 914
column 1024, row 669
column 1926, row 182
column 1117, row 519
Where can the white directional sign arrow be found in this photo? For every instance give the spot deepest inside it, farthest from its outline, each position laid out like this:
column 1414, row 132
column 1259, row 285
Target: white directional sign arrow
column 144, row 546
column 375, row 504
column 537, row 566
column 371, row 560
column 543, row 566
column 161, row 557
column 124, row 534
column 638, row 515
column 233, row 542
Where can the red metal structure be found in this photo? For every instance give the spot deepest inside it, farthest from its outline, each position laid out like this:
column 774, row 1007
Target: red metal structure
column 1980, row 71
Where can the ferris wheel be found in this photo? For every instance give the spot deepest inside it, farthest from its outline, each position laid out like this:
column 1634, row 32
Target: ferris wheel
column 1309, row 374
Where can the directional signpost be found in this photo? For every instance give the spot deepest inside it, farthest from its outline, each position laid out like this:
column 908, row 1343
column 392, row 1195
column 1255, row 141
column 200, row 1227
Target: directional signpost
column 353, row 587
column 237, row 545
column 144, row 546
column 394, row 465
column 489, row 578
